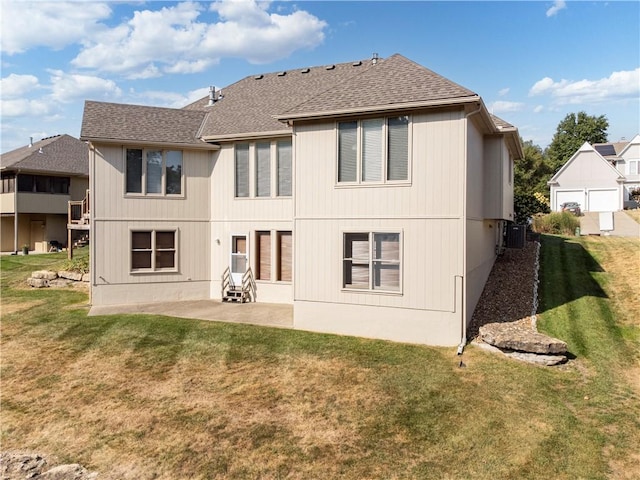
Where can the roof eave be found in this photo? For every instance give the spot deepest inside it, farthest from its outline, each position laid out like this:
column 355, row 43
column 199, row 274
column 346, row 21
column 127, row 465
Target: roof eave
column 378, row 108
column 247, row 136
column 182, row 146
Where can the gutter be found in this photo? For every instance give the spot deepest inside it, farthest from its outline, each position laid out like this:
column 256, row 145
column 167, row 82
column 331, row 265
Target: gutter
column 463, row 329
column 379, row 108
column 140, row 143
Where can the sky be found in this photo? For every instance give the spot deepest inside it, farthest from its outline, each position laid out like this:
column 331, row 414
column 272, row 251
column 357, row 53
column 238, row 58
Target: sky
column 531, row 62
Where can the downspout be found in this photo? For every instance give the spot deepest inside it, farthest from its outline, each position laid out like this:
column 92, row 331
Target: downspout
column 463, row 329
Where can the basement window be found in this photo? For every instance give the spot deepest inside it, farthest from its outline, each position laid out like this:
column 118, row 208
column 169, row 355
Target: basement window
column 154, row 250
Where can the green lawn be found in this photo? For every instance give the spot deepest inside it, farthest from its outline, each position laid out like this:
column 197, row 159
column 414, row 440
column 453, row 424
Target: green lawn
column 141, row 397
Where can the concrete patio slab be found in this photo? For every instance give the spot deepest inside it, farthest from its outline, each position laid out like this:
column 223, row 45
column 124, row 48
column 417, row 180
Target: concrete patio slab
column 264, row 314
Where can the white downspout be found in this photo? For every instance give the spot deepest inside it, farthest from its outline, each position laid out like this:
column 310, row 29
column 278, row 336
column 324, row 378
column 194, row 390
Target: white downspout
column 463, row 335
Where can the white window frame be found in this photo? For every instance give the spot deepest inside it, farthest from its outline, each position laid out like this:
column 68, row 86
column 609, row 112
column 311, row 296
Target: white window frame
column 153, row 250
column 143, row 175
column 635, row 162
column 385, row 153
column 371, row 261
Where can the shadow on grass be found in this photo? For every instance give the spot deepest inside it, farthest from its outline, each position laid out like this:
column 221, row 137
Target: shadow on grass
column 566, row 273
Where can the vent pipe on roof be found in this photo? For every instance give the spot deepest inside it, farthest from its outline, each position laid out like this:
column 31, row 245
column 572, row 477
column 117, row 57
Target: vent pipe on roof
column 212, row 95
column 374, row 58
column 30, row 142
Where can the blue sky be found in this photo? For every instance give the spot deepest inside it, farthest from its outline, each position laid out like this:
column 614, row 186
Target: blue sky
column 532, row 62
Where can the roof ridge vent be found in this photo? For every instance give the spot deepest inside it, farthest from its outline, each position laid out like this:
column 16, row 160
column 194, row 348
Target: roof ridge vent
column 357, row 64
column 282, row 74
column 330, row 67
column 258, row 77
column 305, row 70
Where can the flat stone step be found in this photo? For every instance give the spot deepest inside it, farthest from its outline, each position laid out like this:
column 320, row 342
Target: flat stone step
column 516, row 336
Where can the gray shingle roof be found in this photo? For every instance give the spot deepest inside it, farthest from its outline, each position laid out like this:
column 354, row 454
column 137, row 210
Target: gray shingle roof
column 61, row 154
column 391, row 82
column 255, row 103
column 251, row 104
column 500, row 123
column 137, row 123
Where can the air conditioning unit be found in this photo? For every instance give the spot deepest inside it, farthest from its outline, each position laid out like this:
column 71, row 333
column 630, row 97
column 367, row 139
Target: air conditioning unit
column 515, row 236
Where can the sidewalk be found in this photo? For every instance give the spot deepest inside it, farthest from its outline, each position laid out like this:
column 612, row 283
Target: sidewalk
column 623, row 224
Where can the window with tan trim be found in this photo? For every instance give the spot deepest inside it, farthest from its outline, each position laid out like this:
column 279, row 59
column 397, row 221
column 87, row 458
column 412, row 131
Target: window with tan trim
column 285, row 256
column 153, row 250
column 371, row 261
column 263, row 254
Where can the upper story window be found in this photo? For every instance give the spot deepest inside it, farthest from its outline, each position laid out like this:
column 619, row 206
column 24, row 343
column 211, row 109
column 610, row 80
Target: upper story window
column 263, row 169
column 8, row 184
column 43, row 184
column 374, row 150
column 154, row 172
column 634, row 167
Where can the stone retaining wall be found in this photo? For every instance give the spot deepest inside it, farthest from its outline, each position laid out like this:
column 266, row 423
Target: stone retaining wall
column 49, row 278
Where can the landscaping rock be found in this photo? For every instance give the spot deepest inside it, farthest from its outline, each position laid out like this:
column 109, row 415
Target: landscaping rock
column 45, row 274
column 21, row 466
column 86, row 277
column 539, row 359
column 515, row 336
column 60, row 283
column 37, row 282
column 75, row 276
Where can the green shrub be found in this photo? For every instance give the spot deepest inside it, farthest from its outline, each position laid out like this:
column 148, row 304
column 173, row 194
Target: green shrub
column 80, row 264
column 556, row 223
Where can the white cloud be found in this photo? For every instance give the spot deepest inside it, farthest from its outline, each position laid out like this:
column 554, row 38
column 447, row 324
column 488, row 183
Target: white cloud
column 169, row 99
column 618, row 85
column 67, row 87
column 557, row 6
column 17, row 85
column 503, row 92
column 502, row 106
column 20, row 107
column 27, row 25
column 172, row 40
column 538, row 109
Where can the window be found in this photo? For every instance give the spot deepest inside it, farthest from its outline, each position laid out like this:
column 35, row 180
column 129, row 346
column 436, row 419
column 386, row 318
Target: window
column 284, row 168
column 43, row 184
column 373, row 151
column 371, row 261
column 8, row 183
column 263, row 264
column 285, row 256
column 242, row 170
column 153, row 250
column 153, row 172
column 263, row 170
column 270, row 169
column 634, row 167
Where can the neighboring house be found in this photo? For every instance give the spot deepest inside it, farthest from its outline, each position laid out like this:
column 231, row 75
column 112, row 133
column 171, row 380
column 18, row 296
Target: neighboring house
column 371, row 195
column 599, row 177
column 38, row 182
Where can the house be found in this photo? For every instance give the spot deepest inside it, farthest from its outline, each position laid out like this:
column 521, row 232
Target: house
column 599, row 177
column 38, row 182
column 371, row 196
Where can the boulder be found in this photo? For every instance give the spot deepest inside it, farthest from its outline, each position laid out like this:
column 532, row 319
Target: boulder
column 37, row 282
column 60, row 282
column 86, row 277
column 71, row 471
column 516, row 336
column 537, row 358
column 75, row 276
column 45, row 274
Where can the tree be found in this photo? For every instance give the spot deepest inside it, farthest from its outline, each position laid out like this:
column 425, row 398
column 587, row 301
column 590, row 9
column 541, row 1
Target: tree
column 571, row 134
column 530, row 189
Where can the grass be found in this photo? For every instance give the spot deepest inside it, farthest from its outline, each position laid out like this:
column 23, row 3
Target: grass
column 635, row 214
column 139, row 396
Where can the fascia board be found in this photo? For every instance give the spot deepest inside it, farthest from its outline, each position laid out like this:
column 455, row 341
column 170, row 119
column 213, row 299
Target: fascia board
column 182, row 146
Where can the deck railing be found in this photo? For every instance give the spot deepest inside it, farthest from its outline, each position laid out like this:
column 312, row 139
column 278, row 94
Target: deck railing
column 78, row 213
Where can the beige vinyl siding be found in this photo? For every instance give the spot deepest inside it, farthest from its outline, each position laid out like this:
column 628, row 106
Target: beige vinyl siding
column 428, row 269
column 7, row 202
column 111, row 202
column 588, row 170
column 436, row 165
column 115, row 215
column 497, row 176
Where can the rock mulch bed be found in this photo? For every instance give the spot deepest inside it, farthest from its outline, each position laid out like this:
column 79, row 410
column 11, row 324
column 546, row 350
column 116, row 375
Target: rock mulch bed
column 49, row 278
column 23, row 466
column 504, row 319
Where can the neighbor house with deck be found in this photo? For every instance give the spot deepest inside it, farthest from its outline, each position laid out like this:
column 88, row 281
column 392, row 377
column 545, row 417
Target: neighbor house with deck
column 372, row 196
column 38, row 182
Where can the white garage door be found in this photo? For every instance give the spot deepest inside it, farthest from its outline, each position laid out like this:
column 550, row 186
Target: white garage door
column 563, row 196
column 602, row 200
